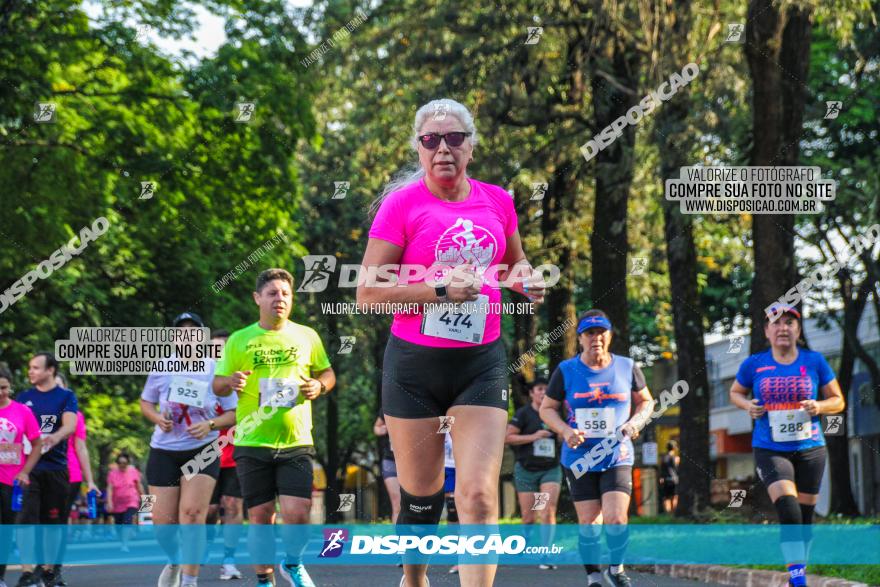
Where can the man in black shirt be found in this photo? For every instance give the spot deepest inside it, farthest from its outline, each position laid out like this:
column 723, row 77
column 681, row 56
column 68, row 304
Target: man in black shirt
column 669, row 477
column 536, row 475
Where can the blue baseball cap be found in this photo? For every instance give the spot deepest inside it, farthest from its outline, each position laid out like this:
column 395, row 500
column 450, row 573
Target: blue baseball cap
column 593, row 322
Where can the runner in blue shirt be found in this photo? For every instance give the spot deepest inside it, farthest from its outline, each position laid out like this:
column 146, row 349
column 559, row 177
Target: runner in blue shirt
column 786, row 381
column 606, row 405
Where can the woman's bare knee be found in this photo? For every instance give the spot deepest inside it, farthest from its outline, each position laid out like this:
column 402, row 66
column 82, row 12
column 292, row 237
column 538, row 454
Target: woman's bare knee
column 476, row 503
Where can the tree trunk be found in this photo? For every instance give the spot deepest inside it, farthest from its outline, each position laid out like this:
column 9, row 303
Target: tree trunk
column 778, row 52
column 842, row 501
column 524, row 326
column 616, row 59
column 674, row 144
column 334, row 487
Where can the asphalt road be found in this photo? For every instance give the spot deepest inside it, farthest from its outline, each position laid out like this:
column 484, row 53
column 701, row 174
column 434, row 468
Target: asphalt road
column 347, row 576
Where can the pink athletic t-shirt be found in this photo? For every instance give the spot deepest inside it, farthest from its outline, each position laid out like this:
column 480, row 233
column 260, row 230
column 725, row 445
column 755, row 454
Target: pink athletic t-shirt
column 125, row 490
column 73, row 466
column 437, row 234
column 17, row 421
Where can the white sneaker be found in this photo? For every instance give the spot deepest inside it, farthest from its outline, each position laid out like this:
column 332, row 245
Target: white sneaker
column 228, row 571
column 170, row 576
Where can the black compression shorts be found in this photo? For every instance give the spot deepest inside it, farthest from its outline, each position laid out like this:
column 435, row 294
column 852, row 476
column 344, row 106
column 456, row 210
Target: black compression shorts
column 423, row 382
column 803, row 467
column 165, row 467
column 593, row 485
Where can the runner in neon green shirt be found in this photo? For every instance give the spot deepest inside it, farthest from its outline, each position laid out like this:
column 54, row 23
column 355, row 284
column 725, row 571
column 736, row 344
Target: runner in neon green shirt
column 277, row 367
column 279, row 361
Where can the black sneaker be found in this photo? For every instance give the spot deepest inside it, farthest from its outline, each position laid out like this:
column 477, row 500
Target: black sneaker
column 594, row 584
column 50, row 579
column 619, row 580
column 28, row 579
column 59, row 580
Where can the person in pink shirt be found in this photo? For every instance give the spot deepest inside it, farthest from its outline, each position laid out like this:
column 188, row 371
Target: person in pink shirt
column 455, row 240
column 124, row 489
column 17, row 422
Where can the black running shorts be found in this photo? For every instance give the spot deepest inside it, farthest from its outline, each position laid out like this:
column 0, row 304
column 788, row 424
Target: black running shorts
column 266, row 472
column 45, row 499
column 593, row 485
column 165, row 467
column 804, row 467
column 227, row 485
column 423, row 382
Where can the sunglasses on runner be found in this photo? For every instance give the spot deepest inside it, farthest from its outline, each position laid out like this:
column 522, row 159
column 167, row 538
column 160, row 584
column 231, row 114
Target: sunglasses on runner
column 431, row 140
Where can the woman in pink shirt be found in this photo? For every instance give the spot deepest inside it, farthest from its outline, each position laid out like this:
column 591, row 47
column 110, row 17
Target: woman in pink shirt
column 124, row 489
column 17, row 422
column 456, row 240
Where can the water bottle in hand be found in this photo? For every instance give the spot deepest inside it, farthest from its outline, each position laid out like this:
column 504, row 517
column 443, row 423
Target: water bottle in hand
column 17, row 496
column 92, row 497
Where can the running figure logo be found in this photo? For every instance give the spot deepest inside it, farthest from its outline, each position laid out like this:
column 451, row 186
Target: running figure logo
column 346, row 501
column 735, row 33
column 833, row 425
column 148, row 190
column 534, row 35
column 346, row 345
column 142, row 32
column 47, row 422
column 446, row 423
column 832, row 109
column 539, row 190
column 244, row 111
column 44, row 112
column 466, row 242
column 736, row 344
column 333, row 542
column 541, row 501
column 440, row 111
column 639, row 266
column 340, row 189
column 319, row 268
column 737, row 496
column 147, row 503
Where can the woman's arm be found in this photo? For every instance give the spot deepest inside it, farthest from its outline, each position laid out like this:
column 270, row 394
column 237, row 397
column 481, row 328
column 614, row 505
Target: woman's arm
column 379, row 427
column 832, row 404
column 643, row 405
column 148, row 409
column 550, row 415
column 739, row 398
column 514, row 437
column 108, row 503
column 82, row 453
column 519, row 268
column 379, row 288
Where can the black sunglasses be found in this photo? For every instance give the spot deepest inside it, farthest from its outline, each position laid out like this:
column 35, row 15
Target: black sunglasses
column 431, row 140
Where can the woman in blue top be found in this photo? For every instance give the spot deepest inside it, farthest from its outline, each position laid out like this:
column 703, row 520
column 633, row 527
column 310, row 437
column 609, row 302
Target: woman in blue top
column 600, row 391
column 786, row 381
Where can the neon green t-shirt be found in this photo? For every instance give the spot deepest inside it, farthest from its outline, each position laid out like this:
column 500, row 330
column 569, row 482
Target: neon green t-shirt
column 278, row 360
